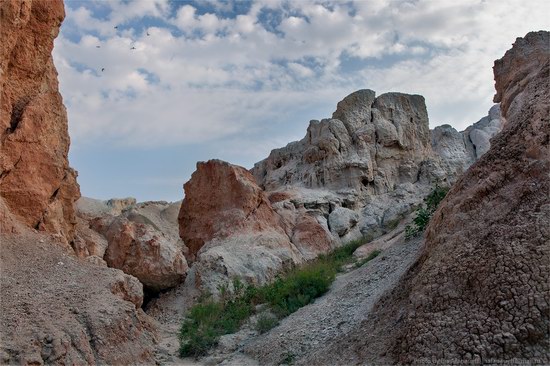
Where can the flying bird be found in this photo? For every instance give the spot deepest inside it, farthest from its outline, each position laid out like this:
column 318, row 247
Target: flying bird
column 97, row 46
column 133, row 48
column 148, row 34
column 116, row 26
column 102, row 69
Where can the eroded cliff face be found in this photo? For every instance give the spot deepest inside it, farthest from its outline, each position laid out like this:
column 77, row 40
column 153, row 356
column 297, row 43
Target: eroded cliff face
column 55, row 308
column 370, row 145
column 36, row 183
column 480, row 292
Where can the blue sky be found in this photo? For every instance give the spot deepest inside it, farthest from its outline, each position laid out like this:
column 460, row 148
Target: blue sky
column 186, row 81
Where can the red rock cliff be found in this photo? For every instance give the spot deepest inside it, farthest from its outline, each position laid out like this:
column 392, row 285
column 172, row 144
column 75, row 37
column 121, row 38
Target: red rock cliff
column 36, row 183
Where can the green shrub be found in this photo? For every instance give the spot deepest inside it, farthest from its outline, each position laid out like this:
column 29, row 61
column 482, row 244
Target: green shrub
column 424, row 213
column 266, row 322
column 299, row 287
column 208, row 320
column 370, row 257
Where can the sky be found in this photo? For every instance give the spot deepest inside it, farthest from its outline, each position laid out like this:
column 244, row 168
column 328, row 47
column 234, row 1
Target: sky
column 153, row 86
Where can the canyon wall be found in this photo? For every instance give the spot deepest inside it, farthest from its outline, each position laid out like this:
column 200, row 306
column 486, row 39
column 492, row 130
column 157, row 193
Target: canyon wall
column 479, row 292
column 36, row 183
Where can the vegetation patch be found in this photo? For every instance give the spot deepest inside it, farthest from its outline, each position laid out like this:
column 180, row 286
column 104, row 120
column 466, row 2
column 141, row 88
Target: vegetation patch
column 206, row 321
column 425, row 212
column 368, row 258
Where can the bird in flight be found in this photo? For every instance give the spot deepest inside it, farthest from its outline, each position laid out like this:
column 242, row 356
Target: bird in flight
column 133, row 48
column 148, row 34
column 116, row 26
column 102, row 69
column 97, row 46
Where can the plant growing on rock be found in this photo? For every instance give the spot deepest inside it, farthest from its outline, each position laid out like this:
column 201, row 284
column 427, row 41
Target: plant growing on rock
column 424, row 213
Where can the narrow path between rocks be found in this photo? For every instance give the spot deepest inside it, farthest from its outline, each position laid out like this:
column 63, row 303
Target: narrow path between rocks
column 304, row 334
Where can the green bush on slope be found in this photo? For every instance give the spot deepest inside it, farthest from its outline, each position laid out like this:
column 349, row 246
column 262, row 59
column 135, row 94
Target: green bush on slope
column 208, row 320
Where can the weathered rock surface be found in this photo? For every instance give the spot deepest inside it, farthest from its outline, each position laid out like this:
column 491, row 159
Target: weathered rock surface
column 375, row 160
column 36, row 182
column 89, row 207
column 371, row 144
column 230, row 228
column 480, row 290
column 142, row 241
column 58, row 309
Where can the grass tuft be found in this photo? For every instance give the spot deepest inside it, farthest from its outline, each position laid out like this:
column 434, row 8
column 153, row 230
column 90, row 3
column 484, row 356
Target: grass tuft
column 206, row 321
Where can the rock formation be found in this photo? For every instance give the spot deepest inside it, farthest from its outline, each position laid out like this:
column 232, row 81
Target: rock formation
column 55, row 308
column 36, row 182
column 485, row 265
column 459, row 150
column 355, row 175
column 139, row 238
column 365, row 169
column 479, row 292
column 230, row 228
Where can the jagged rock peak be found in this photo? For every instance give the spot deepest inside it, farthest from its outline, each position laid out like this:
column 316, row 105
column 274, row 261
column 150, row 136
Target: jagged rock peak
column 370, row 144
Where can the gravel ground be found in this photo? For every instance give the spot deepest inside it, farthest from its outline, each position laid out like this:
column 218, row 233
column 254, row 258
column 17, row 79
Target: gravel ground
column 301, row 338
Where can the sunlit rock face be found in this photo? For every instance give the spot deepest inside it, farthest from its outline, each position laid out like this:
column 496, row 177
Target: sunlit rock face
column 36, row 182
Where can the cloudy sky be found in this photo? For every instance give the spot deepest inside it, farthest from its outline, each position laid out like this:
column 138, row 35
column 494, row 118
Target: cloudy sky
column 153, row 86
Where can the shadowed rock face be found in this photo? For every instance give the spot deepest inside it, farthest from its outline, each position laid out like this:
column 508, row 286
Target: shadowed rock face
column 36, row 182
column 480, row 289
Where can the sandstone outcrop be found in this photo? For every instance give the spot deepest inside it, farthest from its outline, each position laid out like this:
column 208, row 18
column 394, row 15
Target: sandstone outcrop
column 230, row 228
column 479, row 292
column 36, row 182
column 55, row 308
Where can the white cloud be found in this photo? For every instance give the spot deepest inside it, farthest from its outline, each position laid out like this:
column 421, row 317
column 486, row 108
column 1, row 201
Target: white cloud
column 227, row 75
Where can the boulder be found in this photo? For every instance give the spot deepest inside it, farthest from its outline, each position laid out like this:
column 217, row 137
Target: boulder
column 341, row 220
column 139, row 247
column 36, row 182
